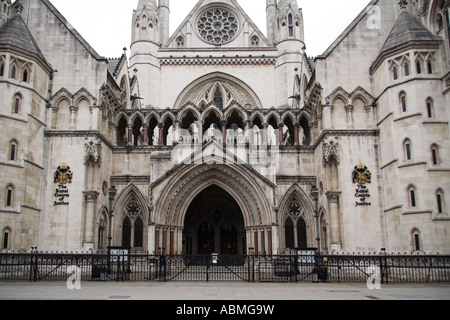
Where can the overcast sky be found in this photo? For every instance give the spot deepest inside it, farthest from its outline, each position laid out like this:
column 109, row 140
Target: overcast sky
column 106, row 24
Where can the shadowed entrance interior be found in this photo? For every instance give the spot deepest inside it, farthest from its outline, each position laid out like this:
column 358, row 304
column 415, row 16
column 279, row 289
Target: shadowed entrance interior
column 214, row 224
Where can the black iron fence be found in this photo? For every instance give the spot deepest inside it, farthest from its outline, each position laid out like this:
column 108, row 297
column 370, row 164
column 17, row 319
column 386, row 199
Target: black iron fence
column 138, row 266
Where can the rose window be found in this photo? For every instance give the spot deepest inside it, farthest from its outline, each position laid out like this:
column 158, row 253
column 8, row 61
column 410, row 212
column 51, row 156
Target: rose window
column 217, row 26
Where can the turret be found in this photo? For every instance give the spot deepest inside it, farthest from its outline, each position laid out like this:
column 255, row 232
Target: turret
column 145, row 22
column 164, row 20
column 289, row 40
column 271, row 16
column 146, row 41
column 290, row 21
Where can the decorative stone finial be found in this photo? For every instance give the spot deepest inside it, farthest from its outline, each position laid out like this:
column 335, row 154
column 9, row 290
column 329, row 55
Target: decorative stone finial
column 18, row 7
column 403, row 4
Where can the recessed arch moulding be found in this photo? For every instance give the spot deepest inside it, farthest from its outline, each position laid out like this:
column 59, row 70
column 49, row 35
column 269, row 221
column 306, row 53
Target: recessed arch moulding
column 171, row 197
column 234, row 91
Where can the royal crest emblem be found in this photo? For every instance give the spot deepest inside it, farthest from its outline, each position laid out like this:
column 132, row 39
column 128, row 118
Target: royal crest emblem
column 63, row 175
column 361, row 174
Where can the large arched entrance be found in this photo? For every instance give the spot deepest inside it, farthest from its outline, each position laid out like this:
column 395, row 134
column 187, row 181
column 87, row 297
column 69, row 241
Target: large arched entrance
column 214, row 224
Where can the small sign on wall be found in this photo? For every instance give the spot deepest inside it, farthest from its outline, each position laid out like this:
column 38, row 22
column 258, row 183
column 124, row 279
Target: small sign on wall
column 62, row 176
column 361, row 177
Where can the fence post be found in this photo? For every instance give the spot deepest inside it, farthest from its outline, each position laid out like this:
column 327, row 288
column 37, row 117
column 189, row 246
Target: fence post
column 294, row 273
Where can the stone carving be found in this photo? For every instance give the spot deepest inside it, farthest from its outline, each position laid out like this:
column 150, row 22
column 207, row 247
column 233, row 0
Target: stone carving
column 92, row 150
column 330, row 149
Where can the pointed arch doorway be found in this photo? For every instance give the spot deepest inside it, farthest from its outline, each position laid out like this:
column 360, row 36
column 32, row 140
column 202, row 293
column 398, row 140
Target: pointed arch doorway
column 214, row 224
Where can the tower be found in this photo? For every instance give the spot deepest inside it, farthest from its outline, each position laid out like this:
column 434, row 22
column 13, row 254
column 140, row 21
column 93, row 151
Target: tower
column 289, row 40
column 145, row 43
column 271, row 16
column 164, row 20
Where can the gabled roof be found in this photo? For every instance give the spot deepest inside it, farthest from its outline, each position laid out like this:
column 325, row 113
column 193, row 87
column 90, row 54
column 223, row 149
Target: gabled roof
column 232, row 3
column 72, row 30
column 406, row 29
column 15, row 33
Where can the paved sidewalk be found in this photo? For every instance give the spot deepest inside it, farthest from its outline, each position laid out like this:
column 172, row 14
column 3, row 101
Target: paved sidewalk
column 196, row 291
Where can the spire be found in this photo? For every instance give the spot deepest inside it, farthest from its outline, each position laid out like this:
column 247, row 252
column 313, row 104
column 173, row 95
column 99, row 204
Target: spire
column 290, row 18
column 145, row 22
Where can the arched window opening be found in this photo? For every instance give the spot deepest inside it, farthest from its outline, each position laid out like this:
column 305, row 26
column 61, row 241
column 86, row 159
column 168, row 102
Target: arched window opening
column 403, row 102
column 6, row 238
column 255, row 41
column 435, row 155
column 126, row 233
column 137, row 132
column 289, row 233
column 218, row 98
column 288, row 132
column 17, row 104
column 2, row 69
column 395, row 73
column 440, row 201
column 272, row 132
column 138, row 233
column 301, row 234
column 407, row 150
column 122, row 135
column 419, row 67
column 304, row 132
column 416, row 240
column 102, row 233
column 13, row 72
column 13, row 150
column 180, row 42
column 406, row 69
column 430, row 107
column 10, row 196
column 412, row 195
column 167, row 132
column 25, row 75
column 153, row 132
column 430, row 67
column 290, row 25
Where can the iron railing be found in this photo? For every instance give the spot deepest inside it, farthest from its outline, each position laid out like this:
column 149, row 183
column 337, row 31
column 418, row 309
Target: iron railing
column 139, row 266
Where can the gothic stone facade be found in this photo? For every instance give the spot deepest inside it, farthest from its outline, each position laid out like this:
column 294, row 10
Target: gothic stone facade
column 219, row 138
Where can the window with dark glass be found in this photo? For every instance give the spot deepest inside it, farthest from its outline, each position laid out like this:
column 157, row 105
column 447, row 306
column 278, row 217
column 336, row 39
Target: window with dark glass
column 289, row 233
column 301, row 234
column 412, row 197
column 126, row 233
column 138, row 233
column 290, row 25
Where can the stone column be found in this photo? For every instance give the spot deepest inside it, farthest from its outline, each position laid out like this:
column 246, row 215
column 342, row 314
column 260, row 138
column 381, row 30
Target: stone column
column 326, row 116
column 161, row 134
column 145, row 134
column 224, row 131
column 90, row 199
column 73, row 116
column 130, row 134
column 296, row 134
column 349, row 112
column 333, row 203
column 280, row 133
